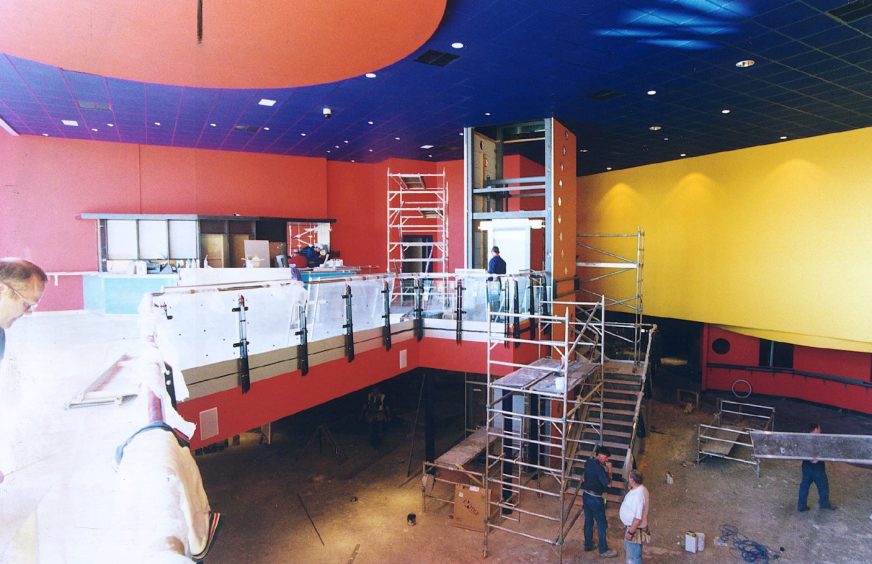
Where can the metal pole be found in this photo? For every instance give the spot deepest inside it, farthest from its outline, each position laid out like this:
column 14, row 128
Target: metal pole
column 242, row 345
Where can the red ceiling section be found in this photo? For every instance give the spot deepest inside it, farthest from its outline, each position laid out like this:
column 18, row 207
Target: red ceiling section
column 270, row 44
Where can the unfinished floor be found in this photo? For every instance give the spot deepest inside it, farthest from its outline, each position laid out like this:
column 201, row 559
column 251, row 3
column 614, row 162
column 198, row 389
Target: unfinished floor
column 55, row 506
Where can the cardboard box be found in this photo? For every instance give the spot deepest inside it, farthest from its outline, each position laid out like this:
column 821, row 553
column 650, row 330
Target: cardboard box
column 694, row 541
column 470, row 507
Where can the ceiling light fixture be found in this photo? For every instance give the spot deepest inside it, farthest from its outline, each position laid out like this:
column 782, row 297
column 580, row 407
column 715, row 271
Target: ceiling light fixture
column 582, row 150
column 157, row 123
column 213, row 125
column 725, row 111
column 45, row 134
column 346, row 141
column 431, row 156
column 608, row 168
column 457, row 45
column 110, row 125
column 302, row 134
column 656, row 127
column 370, row 75
column 335, row 146
column 666, row 138
column 652, row 92
column 94, row 129
column 783, row 137
column 370, row 122
column 267, row 102
column 70, row 122
column 683, row 155
column 426, row 146
column 266, row 129
column 746, row 63
column 487, row 113
column 397, row 138
column 370, row 150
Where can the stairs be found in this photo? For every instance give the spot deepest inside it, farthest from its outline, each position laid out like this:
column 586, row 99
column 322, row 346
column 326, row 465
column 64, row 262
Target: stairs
column 621, row 389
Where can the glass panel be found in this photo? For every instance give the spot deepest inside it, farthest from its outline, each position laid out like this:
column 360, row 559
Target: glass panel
column 153, row 239
column 121, row 239
column 203, row 326
column 183, row 239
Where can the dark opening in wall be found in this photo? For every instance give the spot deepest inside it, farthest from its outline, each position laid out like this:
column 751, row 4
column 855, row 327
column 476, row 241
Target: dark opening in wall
column 721, row 346
column 775, row 355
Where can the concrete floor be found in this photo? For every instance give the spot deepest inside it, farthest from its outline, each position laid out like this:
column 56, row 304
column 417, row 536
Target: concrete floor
column 55, row 506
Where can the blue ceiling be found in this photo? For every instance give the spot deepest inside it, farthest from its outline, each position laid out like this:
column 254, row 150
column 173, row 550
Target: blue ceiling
column 589, row 63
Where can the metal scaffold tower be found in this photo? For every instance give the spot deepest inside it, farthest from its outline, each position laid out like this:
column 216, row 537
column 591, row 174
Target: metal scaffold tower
column 417, row 222
column 536, row 416
column 605, row 256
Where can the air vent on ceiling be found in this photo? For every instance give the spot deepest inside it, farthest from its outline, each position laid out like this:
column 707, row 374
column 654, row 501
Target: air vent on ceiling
column 247, row 128
column 88, row 105
column 852, row 11
column 436, row 58
column 605, row 94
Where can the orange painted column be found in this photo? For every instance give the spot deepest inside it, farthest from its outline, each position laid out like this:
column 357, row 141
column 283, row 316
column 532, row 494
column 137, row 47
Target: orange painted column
column 563, row 216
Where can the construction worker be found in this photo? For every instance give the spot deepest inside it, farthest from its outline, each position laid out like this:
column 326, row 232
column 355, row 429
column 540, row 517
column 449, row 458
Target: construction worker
column 377, row 414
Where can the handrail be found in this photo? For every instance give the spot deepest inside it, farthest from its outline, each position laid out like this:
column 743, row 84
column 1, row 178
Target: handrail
column 793, row 372
column 628, row 459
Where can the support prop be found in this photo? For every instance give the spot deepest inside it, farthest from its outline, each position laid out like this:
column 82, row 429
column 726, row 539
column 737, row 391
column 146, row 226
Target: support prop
column 386, row 330
column 303, row 352
column 242, row 345
column 349, row 325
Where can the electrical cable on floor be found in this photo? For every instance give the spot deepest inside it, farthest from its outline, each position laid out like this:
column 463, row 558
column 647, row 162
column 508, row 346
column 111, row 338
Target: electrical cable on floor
column 744, row 548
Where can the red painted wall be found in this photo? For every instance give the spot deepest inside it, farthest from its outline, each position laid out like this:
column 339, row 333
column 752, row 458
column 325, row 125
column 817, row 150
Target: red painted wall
column 744, row 352
column 356, row 198
column 456, row 218
column 284, row 395
column 45, row 183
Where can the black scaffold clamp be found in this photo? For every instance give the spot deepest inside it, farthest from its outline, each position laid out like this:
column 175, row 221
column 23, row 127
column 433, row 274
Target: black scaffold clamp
column 303, row 351
column 349, row 325
column 386, row 330
column 242, row 345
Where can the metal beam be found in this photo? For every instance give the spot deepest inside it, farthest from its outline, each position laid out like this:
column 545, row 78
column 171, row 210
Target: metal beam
column 805, row 446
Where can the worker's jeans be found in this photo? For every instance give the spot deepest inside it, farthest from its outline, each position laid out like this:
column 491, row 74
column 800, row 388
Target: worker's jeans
column 634, row 552
column 594, row 509
column 814, row 473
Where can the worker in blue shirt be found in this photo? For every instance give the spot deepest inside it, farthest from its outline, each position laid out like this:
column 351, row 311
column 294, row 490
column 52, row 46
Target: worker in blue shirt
column 496, row 265
column 597, row 476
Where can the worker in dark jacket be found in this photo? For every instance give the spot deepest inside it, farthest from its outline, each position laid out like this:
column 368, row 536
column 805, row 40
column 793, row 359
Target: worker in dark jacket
column 496, row 265
column 597, row 476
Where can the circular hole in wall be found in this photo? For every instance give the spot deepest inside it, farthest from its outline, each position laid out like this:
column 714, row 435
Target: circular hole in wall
column 559, row 219
column 559, row 201
column 560, row 183
column 561, row 167
column 721, row 346
column 564, row 150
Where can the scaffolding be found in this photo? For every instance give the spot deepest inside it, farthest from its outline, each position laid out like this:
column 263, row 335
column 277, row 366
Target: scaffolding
column 729, row 435
column 536, row 414
column 616, row 255
column 417, row 223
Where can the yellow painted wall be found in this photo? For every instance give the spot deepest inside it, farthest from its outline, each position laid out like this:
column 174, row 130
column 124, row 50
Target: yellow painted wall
column 773, row 240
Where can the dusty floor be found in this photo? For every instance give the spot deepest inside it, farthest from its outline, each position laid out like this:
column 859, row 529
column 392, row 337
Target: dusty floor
column 360, row 505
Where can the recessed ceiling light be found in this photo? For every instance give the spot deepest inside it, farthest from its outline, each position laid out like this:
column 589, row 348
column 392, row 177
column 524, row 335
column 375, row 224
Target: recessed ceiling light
column 157, row 123
column 397, row 138
column 370, row 75
column 94, row 129
column 335, row 146
column 461, row 133
column 487, row 113
column 266, row 129
column 431, row 156
column 110, row 125
column 346, row 141
column 370, row 150
column 725, row 111
column 213, row 125
column 683, row 155
column 45, row 134
column 329, row 151
column 655, row 127
column 426, row 146
column 608, row 168
column 302, row 134
column 783, row 137
column 370, row 122
column 352, row 160
column 70, row 122
column 582, row 150
column 746, row 63
column 666, row 138
column 652, row 92
column 267, row 102
column 457, row 45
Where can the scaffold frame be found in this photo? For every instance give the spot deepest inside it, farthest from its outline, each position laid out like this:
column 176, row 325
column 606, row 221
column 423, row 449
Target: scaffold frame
column 536, row 413
column 417, row 207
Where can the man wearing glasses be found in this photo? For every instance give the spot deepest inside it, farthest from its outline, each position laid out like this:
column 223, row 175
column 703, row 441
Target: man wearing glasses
column 21, row 286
